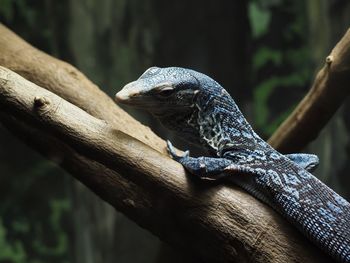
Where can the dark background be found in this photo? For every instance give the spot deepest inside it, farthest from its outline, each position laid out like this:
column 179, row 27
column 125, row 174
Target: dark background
column 264, row 52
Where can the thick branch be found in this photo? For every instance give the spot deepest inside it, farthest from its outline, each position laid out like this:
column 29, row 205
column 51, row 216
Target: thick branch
column 330, row 89
column 66, row 81
column 216, row 222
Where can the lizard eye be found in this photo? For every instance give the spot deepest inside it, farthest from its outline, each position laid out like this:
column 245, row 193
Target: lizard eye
column 166, row 91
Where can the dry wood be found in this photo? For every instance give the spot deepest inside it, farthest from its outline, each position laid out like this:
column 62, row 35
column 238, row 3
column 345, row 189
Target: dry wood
column 329, row 90
column 66, row 81
column 216, row 222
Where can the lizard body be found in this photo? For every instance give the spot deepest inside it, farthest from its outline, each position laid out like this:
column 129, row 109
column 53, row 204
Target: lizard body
column 199, row 110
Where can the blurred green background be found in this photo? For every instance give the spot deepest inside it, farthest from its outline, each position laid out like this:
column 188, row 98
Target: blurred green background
column 264, row 52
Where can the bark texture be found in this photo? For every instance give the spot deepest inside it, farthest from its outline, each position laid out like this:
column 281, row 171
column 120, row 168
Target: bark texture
column 71, row 121
column 70, row 84
column 329, row 90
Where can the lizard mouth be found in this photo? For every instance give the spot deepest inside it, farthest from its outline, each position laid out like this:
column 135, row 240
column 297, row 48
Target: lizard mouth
column 130, row 95
column 122, row 97
column 134, row 99
column 127, row 93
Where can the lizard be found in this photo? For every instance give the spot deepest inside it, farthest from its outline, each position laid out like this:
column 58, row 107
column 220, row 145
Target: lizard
column 201, row 111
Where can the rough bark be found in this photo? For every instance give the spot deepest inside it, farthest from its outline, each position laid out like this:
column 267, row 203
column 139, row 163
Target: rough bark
column 66, row 81
column 216, row 222
column 123, row 162
column 329, row 90
column 81, row 129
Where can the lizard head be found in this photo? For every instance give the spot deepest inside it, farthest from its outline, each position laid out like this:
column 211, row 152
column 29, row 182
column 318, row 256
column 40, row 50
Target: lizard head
column 173, row 95
column 161, row 90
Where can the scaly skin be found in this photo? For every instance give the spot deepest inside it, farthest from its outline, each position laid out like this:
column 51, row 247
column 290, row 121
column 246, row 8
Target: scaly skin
column 202, row 112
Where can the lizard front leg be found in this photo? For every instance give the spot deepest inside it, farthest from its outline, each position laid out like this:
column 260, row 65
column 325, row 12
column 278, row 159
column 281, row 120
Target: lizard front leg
column 207, row 167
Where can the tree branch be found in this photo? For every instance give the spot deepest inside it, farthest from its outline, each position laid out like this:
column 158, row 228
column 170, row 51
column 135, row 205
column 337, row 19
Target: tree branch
column 66, row 81
column 217, row 223
column 329, row 90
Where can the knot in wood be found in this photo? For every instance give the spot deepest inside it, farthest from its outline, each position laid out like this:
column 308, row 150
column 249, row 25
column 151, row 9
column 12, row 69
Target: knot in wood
column 329, row 59
column 41, row 102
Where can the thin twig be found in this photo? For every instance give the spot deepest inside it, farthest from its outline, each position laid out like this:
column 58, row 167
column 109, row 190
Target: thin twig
column 328, row 92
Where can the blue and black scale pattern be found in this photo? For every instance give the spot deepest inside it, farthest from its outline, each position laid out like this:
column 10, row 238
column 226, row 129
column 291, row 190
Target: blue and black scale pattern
column 202, row 112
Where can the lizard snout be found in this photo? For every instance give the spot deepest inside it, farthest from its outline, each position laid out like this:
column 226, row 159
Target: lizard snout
column 127, row 92
column 121, row 96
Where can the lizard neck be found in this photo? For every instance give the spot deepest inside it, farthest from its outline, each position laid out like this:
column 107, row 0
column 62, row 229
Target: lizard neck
column 182, row 124
column 221, row 125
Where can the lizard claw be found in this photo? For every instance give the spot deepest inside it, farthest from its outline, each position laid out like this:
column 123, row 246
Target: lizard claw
column 172, row 152
column 171, row 149
column 186, row 154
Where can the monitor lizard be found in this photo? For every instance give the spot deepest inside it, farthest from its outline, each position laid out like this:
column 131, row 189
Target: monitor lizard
column 202, row 112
